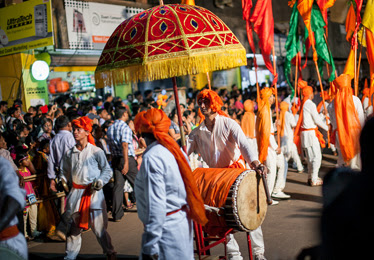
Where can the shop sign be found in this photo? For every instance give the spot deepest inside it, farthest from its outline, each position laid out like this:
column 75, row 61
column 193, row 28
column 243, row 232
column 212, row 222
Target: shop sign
column 25, row 26
column 91, row 24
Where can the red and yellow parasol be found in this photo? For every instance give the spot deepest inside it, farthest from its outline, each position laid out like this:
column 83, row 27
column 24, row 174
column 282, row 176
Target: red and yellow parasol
column 168, row 41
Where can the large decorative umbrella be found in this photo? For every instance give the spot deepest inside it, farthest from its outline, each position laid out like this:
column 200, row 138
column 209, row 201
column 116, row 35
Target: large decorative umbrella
column 167, row 41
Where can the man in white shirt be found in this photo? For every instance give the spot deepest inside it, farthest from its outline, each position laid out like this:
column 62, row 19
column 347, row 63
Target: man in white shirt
column 221, row 142
column 308, row 135
column 12, row 201
column 85, row 166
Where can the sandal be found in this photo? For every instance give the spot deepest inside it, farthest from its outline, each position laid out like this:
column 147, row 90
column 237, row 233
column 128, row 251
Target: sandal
column 319, row 182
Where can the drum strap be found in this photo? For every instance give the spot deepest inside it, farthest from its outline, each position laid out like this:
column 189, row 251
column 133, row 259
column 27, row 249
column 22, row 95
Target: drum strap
column 175, row 211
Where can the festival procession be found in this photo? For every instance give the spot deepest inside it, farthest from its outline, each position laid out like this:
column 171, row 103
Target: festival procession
column 183, row 130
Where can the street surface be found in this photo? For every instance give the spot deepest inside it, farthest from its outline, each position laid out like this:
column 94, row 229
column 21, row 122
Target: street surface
column 289, row 227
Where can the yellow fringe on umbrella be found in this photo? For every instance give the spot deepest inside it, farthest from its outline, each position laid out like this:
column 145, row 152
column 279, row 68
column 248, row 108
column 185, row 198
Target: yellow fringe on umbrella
column 172, row 66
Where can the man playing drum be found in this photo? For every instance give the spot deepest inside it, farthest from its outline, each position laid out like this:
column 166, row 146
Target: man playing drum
column 221, row 143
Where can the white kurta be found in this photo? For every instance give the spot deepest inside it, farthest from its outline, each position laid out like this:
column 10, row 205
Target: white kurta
column 355, row 163
column 223, row 146
column 9, row 187
column 159, row 189
column 82, row 168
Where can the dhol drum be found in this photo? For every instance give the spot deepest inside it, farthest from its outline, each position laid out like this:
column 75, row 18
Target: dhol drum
column 239, row 191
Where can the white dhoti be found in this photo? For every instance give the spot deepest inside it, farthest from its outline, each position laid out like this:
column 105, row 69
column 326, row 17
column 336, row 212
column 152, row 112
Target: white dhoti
column 314, row 158
column 98, row 223
column 271, row 164
column 280, row 181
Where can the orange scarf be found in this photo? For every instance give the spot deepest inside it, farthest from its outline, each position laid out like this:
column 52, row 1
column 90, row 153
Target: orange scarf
column 248, row 119
column 282, row 117
column 348, row 123
column 215, row 103
column 155, row 121
column 263, row 122
column 85, row 123
column 306, row 91
column 84, row 206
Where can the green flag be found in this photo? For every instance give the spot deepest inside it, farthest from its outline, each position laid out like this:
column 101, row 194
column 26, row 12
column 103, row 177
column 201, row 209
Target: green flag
column 317, row 24
column 292, row 45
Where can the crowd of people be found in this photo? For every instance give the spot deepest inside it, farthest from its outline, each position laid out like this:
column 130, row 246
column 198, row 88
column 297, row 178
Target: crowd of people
column 49, row 140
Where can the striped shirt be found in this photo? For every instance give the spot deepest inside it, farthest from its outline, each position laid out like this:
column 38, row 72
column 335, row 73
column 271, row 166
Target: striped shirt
column 119, row 133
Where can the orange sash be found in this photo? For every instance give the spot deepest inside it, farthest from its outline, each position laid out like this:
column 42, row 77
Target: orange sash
column 319, row 135
column 84, row 207
column 9, row 232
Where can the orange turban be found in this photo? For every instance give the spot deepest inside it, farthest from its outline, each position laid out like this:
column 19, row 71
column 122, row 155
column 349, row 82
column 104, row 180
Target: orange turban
column 282, row 117
column 215, row 102
column 365, row 94
column 155, row 121
column 85, row 123
column 248, row 119
column 347, row 121
column 263, row 122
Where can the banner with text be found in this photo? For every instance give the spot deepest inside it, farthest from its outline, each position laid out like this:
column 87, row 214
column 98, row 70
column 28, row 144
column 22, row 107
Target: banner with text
column 25, row 26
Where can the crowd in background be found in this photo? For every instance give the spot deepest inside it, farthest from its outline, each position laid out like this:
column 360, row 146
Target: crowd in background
column 26, row 139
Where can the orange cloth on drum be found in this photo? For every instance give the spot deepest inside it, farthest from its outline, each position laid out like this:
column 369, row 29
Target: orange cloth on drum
column 155, row 121
column 84, row 207
column 306, row 91
column 85, row 123
column 215, row 103
column 347, row 120
column 248, row 120
column 282, row 116
column 214, row 185
column 326, row 96
column 263, row 122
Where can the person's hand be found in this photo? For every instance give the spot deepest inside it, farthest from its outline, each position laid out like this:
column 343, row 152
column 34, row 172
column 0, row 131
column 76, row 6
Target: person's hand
column 97, row 185
column 21, row 181
column 52, row 186
column 259, row 168
column 125, row 169
column 278, row 150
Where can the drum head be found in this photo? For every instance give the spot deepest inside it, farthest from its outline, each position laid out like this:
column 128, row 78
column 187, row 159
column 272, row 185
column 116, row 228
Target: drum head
column 250, row 200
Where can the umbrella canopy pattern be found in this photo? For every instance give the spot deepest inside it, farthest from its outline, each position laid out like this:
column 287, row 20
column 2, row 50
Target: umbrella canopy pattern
column 168, row 41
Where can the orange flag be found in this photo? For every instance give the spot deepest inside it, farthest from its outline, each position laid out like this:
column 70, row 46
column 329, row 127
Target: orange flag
column 349, row 68
column 370, row 56
column 305, row 10
column 350, row 23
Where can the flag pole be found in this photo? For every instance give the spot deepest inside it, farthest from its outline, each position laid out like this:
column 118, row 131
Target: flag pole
column 276, row 98
column 296, row 71
column 355, row 63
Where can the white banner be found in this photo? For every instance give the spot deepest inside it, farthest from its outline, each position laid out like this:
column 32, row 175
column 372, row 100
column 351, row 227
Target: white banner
column 91, row 24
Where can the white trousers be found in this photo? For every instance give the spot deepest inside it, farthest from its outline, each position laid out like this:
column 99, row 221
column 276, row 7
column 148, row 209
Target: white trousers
column 32, row 215
column 290, row 152
column 98, row 223
column 16, row 244
column 314, row 158
column 271, row 164
column 280, row 181
column 257, row 242
column 354, row 164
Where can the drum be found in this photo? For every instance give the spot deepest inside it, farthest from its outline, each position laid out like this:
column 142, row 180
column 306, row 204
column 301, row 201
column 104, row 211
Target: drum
column 239, row 192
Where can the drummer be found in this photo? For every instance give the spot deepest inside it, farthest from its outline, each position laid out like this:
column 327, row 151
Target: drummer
column 222, row 144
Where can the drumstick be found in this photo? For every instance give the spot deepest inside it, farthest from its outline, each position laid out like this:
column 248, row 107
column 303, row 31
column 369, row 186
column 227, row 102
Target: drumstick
column 268, row 197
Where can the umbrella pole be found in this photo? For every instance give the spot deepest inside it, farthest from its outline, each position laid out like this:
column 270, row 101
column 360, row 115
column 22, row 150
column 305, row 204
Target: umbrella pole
column 180, row 122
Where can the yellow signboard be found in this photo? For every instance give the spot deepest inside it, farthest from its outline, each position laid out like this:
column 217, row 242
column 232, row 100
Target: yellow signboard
column 25, row 26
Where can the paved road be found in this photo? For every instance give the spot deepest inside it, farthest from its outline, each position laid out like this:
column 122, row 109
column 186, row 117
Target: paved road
column 289, row 227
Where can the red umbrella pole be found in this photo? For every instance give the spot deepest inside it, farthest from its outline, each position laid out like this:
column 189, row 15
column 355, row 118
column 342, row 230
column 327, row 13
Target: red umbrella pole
column 180, row 122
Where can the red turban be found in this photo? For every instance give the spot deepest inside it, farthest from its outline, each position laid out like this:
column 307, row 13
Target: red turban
column 85, row 123
column 215, row 102
column 44, row 109
column 155, row 121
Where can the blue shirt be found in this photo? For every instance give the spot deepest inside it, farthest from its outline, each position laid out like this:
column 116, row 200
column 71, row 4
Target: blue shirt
column 117, row 134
